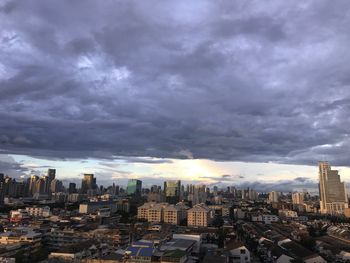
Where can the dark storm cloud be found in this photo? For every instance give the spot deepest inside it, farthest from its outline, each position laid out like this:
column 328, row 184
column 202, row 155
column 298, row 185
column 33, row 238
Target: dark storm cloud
column 297, row 184
column 10, row 167
column 223, row 80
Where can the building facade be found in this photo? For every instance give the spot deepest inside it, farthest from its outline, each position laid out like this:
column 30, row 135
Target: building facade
column 333, row 196
column 199, row 216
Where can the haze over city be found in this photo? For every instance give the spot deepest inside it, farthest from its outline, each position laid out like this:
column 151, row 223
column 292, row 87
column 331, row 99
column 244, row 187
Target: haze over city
column 228, row 92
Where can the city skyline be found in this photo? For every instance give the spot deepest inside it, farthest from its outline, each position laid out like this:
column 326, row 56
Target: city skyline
column 289, row 182
column 174, row 131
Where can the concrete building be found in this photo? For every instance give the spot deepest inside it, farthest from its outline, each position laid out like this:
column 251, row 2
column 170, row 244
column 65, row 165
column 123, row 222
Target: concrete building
column 273, row 197
column 238, row 253
column 333, row 196
column 200, row 215
column 76, row 197
column 174, row 214
column 162, row 212
column 298, row 198
column 284, row 213
column 38, row 211
column 33, row 239
column 155, row 213
column 20, row 215
column 93, row 207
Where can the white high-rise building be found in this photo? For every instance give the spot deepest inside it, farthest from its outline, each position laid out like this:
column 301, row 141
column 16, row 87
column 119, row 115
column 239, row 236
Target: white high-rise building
column 273, row 197
column 333, row 196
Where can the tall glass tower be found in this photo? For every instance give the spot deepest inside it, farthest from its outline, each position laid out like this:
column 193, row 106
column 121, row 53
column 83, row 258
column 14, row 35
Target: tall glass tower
column 134, row 187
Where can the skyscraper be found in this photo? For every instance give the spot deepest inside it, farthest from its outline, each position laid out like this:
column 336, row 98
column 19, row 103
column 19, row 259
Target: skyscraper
column 56, row 186
column 298, row 198
column 51, row 173
column 88, row 183
column 333, row 196
column 134, row 187
column 172, row 191
column 273, row 197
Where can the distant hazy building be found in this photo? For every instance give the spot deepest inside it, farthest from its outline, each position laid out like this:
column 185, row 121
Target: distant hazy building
column 76, row 197
column 156, row 197
column 298, row 198
column 31, row 184
column 333, row 196
column 56, row 186
column 72, row 188
column 273, row 197
column 250, row 194
column 134, row 187
column 88, row 183
column 51, row 175
column 197, row 194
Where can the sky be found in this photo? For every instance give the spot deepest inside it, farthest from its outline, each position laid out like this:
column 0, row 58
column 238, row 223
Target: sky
column 251, row 93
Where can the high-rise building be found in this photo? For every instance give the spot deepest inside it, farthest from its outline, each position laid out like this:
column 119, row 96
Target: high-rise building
column 51, row 173
column 333, row 196
column 32, row 184
column 197, row 194
column 172, row 191
column 2, row 187
column 134, row 187
column 72, row 188
column 249, row 194
column 88, row 183
column 273, row 197
column 40, row 185
column 215, row 190
column 56, row 186
column 298, row 198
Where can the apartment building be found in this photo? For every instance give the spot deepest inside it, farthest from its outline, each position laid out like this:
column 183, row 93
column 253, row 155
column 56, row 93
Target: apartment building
column 174, row 214
column 38, row 211
column 162, row 212
column 200, row 215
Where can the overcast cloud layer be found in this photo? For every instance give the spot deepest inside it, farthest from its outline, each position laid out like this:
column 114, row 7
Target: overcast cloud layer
column 222, row 80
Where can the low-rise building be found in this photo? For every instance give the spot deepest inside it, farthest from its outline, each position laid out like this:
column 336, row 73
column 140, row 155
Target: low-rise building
column 174, row 256
column 18, row 216
column 29, row 237
column 93, row 207
column 162, row 212
column 38, row 211
column 287, row 213
column 268, row 219
column 238, row 253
